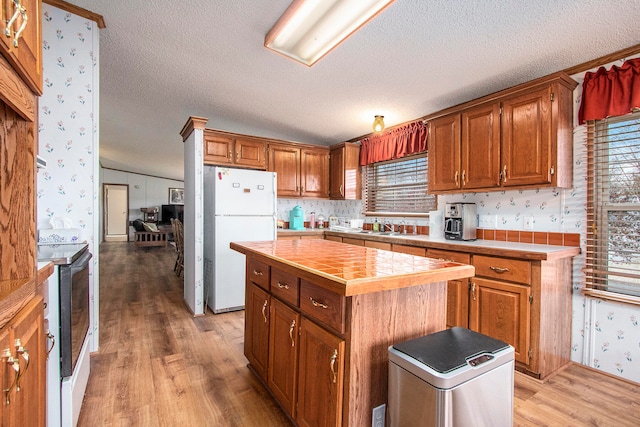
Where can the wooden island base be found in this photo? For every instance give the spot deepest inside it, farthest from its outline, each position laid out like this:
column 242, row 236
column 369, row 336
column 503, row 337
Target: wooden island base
column 317, row 332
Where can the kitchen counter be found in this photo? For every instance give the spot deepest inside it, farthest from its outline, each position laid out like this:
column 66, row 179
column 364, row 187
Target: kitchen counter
column 485, row 247
column 353, row 270
column 320, row 316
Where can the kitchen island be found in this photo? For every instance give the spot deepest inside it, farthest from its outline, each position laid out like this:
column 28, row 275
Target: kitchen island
column 320, row 316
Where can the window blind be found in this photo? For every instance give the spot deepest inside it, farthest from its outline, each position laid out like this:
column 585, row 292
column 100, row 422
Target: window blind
column 613, row 205
column 398, row 187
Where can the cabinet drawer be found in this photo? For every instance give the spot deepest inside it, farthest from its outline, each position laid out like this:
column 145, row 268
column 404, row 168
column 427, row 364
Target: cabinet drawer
column 460, row 257
column 512, row 270
column 378, row 245
column 285, row 286
column 322, row 305
column 258, row 273
column 411, row 250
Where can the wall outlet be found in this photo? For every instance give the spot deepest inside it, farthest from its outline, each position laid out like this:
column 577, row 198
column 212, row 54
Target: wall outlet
column 527, row 222
column 377, row 420
column 488, row 221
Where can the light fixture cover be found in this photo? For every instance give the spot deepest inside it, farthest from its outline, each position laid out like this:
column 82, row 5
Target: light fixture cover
column 378, row 123
column 309, row 29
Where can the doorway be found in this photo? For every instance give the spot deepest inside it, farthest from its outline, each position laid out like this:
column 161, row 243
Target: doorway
column 116, row 212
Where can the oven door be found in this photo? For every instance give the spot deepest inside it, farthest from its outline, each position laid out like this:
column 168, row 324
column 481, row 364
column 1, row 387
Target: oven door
column 74, row 311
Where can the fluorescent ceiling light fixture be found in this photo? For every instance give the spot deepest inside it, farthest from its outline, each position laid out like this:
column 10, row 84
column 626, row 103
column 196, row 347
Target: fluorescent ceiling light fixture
column 309, row 29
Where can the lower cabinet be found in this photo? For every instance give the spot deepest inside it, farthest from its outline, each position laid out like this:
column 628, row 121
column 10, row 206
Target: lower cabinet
column 457, row 290
column 256, row 328
column 502, row 310
column 321, row 377
column 283, row 354
column 23, row 377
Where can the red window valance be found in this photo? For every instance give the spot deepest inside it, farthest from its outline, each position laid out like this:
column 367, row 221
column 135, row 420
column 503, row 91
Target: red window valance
column 610, row 93
column 394, row 144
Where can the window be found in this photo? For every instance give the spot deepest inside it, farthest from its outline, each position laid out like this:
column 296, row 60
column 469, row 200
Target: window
column 398, row 187
column 613, row 205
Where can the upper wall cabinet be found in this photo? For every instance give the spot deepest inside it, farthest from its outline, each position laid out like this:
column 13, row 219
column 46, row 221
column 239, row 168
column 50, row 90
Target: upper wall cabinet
column 303, row 171
column 517, row 138
column 226, row 149
column 344, row 167
column 21, row 39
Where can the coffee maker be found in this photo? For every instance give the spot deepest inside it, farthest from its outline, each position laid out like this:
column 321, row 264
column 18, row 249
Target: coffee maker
column 460, row 221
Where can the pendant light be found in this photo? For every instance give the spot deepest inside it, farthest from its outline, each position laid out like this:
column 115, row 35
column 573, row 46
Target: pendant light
column 378, row 123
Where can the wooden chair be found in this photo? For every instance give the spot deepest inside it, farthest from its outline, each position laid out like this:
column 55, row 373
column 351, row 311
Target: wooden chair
column 178, row 238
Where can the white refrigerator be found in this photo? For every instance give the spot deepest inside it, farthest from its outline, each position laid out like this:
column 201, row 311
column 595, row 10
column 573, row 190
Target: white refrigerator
column 239, row 206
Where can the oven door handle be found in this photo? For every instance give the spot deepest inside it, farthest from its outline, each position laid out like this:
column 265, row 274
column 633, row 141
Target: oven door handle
column 81, row 263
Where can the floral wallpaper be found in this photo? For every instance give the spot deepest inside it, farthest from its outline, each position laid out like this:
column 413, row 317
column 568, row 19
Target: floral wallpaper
column 68, row 132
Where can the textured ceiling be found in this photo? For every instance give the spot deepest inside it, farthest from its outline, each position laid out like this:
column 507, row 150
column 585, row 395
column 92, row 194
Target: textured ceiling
column 163, row 61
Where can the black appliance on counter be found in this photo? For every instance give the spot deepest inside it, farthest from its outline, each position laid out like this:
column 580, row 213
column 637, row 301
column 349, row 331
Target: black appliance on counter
column 73, row 266
column 460, row 221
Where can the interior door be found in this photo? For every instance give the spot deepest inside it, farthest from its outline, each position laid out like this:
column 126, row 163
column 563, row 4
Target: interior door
column 116, row 213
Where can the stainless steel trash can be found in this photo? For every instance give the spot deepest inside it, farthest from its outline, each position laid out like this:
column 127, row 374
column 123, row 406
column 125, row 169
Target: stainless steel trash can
column 455, row 377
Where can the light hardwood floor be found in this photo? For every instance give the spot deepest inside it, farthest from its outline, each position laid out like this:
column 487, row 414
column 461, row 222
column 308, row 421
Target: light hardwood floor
column 160, row 366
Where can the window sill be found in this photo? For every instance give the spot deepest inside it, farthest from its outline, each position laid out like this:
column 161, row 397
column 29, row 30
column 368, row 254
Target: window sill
column 611, row 296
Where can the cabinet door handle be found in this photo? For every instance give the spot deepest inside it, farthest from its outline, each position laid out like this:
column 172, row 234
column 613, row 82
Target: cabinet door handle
column 283, row 285
column 334, row 356
column 23, row 12
column 318, row 304
column 499, row 270
column 456, row 178
column 257, row 272
column 464, row 178
column 16, row 12
column 473, row 291
column 342, row 190
column 291, row 328
column 230, row 154
column 237, row 156
column 21, row 351
column 15, row 365
column 264, row 310
column 53, row 343
column 504, row 173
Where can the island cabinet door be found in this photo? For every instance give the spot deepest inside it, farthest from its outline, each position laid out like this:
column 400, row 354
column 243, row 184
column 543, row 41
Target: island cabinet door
column 256, row 329
column 320, row 377
column 283, row 354
column 502, row 310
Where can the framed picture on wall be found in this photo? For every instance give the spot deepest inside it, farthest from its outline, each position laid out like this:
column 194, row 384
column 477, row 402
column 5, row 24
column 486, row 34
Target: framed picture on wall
column 176, row 196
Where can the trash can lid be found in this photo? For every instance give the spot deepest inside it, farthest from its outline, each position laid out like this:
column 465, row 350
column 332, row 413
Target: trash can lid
column 450, row 349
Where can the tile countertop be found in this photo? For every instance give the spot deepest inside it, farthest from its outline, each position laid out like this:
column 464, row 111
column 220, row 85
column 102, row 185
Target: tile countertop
column 352, row 270
column 527, row 251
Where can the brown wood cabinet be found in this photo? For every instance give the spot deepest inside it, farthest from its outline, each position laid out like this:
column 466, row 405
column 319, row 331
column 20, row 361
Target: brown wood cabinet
column 227, row 149
column 321, row 377
column 303, row 171
column 517, row 138
column 502, row 310
column 256, row 328
column 457, row 290
column 345, row 181
column 21, row 41
column 23, row 372
column 21, row 319
column 526, row 303
column 283, row 354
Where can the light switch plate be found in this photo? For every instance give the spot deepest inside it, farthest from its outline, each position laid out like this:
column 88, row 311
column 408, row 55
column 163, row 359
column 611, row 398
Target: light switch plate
column 487, row 221
column 377, row 420
column 527, row 222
